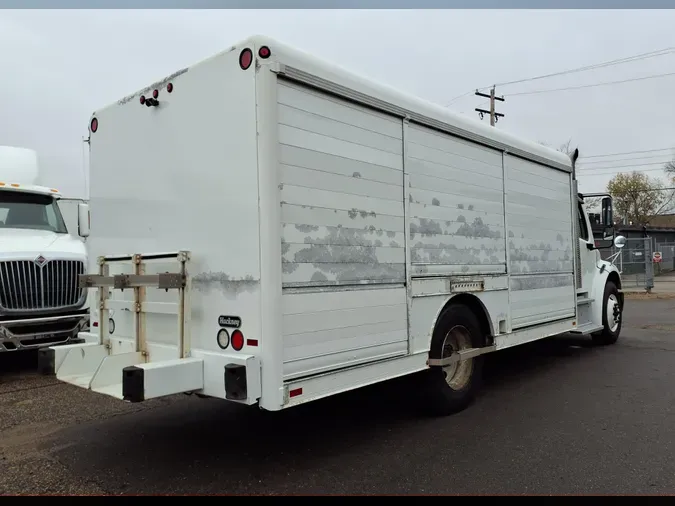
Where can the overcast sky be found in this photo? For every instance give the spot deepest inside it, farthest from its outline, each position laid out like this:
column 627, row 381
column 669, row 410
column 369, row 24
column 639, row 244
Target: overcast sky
column 59, row 66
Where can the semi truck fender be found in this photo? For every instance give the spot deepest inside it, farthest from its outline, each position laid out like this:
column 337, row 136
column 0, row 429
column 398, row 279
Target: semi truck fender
column 606, row 272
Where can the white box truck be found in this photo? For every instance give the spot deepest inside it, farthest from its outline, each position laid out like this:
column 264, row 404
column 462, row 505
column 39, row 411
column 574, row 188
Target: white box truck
column 270, row 229
column 41, row 303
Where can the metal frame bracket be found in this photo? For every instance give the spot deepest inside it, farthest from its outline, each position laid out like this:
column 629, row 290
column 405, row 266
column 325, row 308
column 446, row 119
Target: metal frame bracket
column 460, row 356
column 139, row 282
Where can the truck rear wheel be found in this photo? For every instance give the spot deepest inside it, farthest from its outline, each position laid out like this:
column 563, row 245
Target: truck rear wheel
column 452, row 388
column 612, row 310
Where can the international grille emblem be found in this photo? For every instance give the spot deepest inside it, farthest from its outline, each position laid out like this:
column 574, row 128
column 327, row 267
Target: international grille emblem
column 40, row 261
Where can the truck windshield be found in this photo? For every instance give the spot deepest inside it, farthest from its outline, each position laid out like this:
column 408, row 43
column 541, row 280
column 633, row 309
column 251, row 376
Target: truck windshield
column 30, row 211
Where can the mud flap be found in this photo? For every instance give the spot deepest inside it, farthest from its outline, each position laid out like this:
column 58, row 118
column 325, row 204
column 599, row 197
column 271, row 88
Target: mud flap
column 47, row 361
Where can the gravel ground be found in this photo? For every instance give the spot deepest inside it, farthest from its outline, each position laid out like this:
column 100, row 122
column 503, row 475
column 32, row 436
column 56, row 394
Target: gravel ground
column 554, row 417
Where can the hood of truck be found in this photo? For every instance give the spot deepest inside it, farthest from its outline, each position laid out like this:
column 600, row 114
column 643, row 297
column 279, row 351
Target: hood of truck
column 27, row 244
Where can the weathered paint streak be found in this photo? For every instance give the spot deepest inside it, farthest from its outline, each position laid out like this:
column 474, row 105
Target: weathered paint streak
column 538, row 282
column 354, row 233
column 223, row 283
column 450, row 254
column 355, row 213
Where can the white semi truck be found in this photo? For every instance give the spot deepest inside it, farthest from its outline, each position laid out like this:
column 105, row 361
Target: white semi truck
column 271, row 229
column 41, row 303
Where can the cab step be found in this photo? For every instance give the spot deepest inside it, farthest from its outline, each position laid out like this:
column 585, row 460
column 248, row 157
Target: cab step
column 588, row 328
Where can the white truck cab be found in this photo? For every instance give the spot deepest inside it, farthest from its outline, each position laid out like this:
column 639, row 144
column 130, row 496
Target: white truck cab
column 41, row 303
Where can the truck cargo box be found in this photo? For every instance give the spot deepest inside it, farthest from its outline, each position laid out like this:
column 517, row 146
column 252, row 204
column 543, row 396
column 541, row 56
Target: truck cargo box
column 318, row 224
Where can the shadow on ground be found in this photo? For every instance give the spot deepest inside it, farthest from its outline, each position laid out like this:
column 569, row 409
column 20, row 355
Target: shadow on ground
column 209, row 446
column 14, row 363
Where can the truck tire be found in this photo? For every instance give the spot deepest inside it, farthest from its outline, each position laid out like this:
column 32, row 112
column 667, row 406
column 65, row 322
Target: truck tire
column 451, row 389
column 612, row 312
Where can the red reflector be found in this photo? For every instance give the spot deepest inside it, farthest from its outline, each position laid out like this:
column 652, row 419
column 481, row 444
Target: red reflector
column 142, row 99
column 245, row 59
column 264, row 52
column 155, row 93
column 252, row 342
column 237, row 340
column 295, row 393
column 169, row 87
column 95, row 324
column 93, row 125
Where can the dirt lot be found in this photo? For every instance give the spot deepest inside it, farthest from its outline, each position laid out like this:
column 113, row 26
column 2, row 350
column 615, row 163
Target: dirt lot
column 554, row 417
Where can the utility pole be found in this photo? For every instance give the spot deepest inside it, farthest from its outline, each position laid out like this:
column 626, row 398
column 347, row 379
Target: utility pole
column 494, row 116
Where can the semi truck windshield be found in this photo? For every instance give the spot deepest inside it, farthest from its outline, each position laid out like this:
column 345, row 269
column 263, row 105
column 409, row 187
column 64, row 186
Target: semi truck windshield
column 30, row 211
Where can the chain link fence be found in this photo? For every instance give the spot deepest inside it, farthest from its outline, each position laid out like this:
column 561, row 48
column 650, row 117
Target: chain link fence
column 635, row 262
column 666, row 252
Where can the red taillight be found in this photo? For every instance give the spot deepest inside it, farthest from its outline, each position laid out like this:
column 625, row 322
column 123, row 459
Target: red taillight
column 264, row 52
column 155, row 93
column 169, row 88
column 245, row 59
column 93, row 125
column 237, row 340
column 142, row 99
column 95, row 324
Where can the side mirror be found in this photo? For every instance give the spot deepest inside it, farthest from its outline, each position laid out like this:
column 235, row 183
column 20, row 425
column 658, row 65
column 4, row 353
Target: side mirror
column 608, row 233
column 607, row 214
column 83, row 223
column 619, row 241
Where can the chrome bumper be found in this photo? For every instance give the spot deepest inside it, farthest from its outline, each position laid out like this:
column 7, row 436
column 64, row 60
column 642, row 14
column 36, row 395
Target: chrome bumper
column 32, row 333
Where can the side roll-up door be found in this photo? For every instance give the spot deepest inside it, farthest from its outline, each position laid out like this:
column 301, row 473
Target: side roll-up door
column 343, row 246
column 541, row 251
column 456, row 199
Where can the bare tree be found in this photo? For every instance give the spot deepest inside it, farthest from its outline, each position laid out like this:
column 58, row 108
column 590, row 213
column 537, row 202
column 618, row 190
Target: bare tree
column 566, row 147
column 669, row 167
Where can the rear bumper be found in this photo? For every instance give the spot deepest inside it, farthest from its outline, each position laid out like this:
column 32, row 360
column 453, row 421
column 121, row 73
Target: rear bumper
column 32, row 333
column 128, row 376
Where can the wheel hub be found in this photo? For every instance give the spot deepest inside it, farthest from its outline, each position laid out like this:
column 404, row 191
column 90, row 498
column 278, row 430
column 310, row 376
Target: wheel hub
column 613, row 313
column 458, row 374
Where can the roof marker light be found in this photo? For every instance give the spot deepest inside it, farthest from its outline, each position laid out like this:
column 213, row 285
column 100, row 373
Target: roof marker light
column 264, row 52
column 142, row 99
column 93, row 125
column 169, row 88
column 155, row 93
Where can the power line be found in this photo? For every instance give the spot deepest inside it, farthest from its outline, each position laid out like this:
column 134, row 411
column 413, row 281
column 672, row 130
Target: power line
column 669, row 158
column 619, row 61
column 622, row 166
column 646, row 190
column 627, row 153
column 608, row 83
column 653, row 190
column 614, row 172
